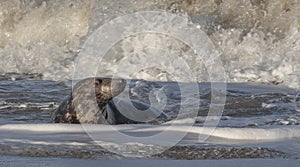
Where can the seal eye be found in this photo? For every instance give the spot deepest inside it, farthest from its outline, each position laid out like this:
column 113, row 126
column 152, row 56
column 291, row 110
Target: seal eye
column 98, row 82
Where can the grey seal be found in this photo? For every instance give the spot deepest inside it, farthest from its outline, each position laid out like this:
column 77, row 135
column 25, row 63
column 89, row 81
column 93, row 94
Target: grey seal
column 92, row 101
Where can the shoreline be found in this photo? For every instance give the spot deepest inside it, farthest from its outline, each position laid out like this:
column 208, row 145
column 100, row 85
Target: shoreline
column 35, row 161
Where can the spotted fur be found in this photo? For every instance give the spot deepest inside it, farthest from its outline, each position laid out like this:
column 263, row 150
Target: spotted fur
column 87, row 102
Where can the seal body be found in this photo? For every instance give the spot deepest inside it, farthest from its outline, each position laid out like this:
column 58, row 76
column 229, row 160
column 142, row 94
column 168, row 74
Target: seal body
column 123, row 111
column 91, row 101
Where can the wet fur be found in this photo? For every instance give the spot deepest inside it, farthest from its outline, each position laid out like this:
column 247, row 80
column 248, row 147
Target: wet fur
column 87, row 102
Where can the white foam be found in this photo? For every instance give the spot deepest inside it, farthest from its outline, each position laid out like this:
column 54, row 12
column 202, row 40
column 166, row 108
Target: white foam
column 45, row 37
column 255, row 134
column 135, row 140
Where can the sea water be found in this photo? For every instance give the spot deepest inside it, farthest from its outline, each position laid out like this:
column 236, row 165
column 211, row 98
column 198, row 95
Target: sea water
column 258, row 45
column 258, row 121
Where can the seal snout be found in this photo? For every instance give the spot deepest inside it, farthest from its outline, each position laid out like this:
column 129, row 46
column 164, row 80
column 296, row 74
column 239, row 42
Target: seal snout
column 117, row 86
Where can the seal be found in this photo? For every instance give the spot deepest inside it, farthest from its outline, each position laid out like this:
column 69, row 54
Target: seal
column 92, row 101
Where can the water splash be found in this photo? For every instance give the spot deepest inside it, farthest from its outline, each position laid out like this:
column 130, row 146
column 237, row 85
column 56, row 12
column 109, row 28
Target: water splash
column 259, row 39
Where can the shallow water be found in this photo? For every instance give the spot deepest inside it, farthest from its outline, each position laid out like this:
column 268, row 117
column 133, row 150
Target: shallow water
column 27, row 100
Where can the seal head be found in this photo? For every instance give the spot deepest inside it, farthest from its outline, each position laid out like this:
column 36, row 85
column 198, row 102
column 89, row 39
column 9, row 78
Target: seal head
column 87, row 101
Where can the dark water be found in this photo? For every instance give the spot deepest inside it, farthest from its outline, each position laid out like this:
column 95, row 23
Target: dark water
column 27, row 99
